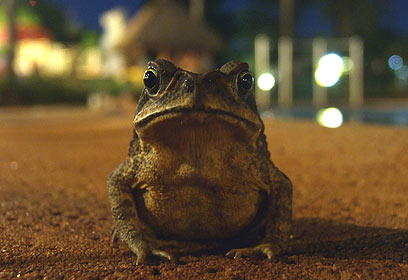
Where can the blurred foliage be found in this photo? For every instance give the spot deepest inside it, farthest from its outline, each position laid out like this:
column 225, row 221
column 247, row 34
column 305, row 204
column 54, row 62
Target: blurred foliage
column 54, row 18
column 25, row 16
column 353, row 17
column 89, row 39
column 38, row 90
column 49, row 15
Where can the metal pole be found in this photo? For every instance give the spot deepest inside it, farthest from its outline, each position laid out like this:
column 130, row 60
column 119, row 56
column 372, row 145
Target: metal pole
column 319, row 92
column 356, row 50
column 262, row 65
column 285, row 72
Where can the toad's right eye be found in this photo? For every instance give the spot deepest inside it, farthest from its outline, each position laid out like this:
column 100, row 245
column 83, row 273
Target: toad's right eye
column 151, row 81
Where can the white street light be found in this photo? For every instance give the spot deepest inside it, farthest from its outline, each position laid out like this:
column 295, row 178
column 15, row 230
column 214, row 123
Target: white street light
column 329, row 70
column 266, row 81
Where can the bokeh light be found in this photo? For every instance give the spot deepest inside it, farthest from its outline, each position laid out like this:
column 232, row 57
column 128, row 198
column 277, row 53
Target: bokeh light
column 329, row 70
column 266, row 81
column 348, row 64
column 330, row 117
column 395, row 62
column 402, row 73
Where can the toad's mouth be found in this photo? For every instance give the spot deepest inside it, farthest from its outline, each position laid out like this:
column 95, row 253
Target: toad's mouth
column 180, row 120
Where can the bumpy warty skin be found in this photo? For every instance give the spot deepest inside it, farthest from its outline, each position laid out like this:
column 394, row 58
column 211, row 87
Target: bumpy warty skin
column 198, row 174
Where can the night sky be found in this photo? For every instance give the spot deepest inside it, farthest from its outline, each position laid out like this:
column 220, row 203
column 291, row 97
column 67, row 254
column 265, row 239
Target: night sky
column 88, row 12
column 310, row 23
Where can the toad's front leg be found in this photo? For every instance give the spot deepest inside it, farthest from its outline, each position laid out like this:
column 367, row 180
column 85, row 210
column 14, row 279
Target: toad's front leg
column 278, row 221
column 127, row 225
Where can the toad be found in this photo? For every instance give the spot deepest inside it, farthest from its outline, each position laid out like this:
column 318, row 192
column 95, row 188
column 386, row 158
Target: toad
column 198, row 174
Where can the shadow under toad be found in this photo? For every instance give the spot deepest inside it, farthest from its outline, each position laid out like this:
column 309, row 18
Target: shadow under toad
column 342, row 240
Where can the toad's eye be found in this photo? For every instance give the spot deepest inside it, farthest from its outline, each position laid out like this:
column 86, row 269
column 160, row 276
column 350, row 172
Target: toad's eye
column 245, row 82
column 151, row 81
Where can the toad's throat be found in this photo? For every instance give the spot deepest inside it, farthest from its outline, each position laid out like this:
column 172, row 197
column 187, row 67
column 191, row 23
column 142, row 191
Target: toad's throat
column 180, row 122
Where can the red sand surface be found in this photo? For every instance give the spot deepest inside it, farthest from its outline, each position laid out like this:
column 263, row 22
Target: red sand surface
column 350, row 201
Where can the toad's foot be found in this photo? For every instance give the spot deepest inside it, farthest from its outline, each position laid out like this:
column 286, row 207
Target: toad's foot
column 114, row 236
column 266, row 249
column 141, row 249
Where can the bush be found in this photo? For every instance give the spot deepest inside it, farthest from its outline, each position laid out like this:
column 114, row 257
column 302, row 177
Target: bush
column 37, row 90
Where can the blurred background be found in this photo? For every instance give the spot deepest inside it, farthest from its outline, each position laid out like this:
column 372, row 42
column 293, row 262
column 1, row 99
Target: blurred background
column 330, row 60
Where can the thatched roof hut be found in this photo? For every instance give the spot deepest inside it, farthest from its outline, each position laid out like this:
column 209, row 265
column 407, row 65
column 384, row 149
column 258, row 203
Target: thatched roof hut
column 165, row 26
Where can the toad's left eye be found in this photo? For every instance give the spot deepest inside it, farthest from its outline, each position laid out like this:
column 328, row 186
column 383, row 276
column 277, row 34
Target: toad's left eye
column 151, row 79
column 245, row 82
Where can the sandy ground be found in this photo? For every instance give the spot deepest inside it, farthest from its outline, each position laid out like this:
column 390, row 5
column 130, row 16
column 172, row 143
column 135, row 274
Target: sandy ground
column 350, row 201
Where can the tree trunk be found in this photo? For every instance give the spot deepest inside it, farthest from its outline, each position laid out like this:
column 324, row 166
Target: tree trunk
column 343, row 12
column 286, row 18
column 11, row 95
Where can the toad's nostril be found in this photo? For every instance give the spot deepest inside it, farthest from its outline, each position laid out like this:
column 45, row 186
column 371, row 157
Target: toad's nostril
column 189, row 85
column 185, row 81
